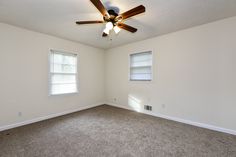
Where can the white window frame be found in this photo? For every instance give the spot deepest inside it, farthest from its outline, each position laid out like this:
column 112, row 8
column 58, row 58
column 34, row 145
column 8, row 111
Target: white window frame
column 50, row 73
column 129, row 71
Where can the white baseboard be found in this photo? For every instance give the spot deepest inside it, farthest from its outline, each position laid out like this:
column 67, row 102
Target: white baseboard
column 202, row 125
column 2, row 128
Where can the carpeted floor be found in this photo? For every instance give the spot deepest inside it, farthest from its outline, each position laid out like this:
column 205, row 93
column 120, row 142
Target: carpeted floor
column 107, row 131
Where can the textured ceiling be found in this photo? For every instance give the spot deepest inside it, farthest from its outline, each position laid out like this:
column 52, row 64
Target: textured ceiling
column 57, row 17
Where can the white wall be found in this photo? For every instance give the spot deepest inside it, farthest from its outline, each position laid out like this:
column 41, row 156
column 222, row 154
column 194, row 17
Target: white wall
column 24, row 75
column 194, row 75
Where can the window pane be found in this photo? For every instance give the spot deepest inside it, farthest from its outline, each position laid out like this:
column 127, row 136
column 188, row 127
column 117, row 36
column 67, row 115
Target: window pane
column 63, row 58
column 140, row 57
column 141, row 66
column 56, row 68
column 63, row 88
column 63, row 68
column 56, row 78
column 69, row 68
column 141, row 63
column 63, row 73
column 57, row 58
column 69, row 60
column 141, row 70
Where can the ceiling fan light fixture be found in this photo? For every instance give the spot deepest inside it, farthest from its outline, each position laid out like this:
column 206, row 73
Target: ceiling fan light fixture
column 119, row 18
column 116, row 29
column 109, row 25
column 112, row 19
column 106, row 31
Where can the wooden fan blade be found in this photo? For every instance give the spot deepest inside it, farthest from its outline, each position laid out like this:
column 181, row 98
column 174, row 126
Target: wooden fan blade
column 127, row 27
column 88, row 22
column 135, row 11
column 104, row 34
column 98, row 4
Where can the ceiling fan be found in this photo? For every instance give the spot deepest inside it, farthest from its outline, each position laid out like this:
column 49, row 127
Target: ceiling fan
column 113, row 20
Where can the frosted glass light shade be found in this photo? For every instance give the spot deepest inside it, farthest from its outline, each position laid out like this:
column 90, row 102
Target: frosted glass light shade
column 117, row 29
column 106, row 31
column 109, row 25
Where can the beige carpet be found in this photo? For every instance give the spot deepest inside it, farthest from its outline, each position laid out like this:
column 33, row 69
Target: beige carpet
column 107, row 131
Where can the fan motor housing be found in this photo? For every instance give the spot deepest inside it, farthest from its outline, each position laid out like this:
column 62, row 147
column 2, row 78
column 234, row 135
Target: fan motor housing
column 113, row 17
column 112, row 13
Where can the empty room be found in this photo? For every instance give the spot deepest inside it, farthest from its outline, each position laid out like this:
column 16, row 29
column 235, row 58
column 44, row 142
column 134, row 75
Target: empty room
column 117, row 78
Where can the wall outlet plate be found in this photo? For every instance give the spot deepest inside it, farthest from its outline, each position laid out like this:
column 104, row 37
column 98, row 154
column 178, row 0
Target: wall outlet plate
column 19, row 114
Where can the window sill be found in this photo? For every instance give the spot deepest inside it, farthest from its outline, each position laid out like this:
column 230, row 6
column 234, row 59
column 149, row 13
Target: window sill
column 140, row 81
column 64, row 94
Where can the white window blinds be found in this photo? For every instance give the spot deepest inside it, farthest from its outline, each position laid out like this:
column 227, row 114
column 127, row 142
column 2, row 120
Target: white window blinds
column 63, row 73
column 141, row 66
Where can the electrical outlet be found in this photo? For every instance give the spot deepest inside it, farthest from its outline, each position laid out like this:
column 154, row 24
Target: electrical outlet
column 19, row 114
column 163, row 105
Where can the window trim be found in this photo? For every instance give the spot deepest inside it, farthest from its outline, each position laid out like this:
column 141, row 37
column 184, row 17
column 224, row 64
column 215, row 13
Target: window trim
column 50, row 74
column 129, row 64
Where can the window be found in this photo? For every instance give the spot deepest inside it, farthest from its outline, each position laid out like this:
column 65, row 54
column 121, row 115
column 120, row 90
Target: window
column 63, row 73
column 141, row 66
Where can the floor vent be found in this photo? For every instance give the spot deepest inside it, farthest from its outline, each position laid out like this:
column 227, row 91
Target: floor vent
column 147, row 107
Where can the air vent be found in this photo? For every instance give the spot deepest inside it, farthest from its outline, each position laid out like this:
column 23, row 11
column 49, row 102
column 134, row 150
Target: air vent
column 147, row 107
